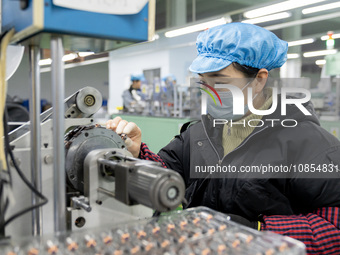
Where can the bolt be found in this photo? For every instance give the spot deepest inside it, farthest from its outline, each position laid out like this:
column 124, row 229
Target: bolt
column 89, row 100
column 48, row 159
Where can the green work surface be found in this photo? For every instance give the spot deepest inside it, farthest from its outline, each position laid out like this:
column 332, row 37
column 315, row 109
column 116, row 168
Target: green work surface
column 156, row 131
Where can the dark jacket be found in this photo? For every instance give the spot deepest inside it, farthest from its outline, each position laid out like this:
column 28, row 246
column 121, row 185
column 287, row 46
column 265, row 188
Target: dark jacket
column 307, row 143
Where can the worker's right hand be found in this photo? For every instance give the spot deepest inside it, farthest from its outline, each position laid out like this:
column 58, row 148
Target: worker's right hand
column 131, row 130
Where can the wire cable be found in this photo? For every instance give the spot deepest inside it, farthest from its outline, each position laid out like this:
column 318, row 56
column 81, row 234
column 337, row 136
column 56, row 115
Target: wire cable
column 5, row 174
column 4, row 143
column 3, row 91
column 24, row 179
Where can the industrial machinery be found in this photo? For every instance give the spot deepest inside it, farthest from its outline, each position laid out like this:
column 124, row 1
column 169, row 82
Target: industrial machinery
column 91, row 181
column 105, row 184
column 103, row 180
column 194, row 231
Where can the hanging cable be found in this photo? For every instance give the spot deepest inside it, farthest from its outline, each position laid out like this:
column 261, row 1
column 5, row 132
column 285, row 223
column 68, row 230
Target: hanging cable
column 24, row 179
column 3, row 92
column 6, row 149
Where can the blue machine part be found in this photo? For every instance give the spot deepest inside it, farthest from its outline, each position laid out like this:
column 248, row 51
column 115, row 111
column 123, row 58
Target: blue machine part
column 44, row 16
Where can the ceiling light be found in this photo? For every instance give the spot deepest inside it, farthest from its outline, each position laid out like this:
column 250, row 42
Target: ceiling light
column 281, row 15
column 279, row 7
column 45, row 62
column 319, row 53
column 320, row 62
column 321, row 8
column 195, row 28
column 85, row 53
column 293, row 55
column 300, row 42
column 326, row 37
column 69, row 57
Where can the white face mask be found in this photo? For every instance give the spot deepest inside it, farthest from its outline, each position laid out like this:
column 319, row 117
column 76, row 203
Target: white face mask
column 224, row 111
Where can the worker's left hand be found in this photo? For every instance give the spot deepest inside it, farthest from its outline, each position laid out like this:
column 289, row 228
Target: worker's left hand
column 131, row 130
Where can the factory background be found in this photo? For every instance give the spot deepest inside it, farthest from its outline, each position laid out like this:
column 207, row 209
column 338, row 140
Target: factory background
column 174, row 55
column 104, row 183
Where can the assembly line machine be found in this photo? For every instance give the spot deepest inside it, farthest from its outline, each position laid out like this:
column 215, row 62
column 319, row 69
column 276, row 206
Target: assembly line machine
column 59, row 26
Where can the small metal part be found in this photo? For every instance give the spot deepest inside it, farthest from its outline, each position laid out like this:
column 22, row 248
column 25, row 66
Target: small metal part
column 196, row 220
column 155, row 230
column 165, row 243
column 183, row 223
column 135, row 249
column 244, row 237
column 122, row 235
column 71, row 244
column 48, row 159
column 148, row 246
column 51, row 247
column 170, row 227
column 90, row 241
column 107, row 239
column 80, row 202
column 89, row 100
column 141, row 234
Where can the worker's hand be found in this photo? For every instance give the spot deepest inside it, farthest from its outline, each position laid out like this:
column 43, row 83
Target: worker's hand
column 131, row 130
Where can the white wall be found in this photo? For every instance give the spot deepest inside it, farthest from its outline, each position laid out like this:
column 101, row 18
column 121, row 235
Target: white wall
column 94, row 75
column 171, row 55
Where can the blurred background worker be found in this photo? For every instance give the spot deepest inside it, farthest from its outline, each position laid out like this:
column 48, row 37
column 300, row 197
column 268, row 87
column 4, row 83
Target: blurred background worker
column 169, row 82
column 168, row 95
column 132, row 97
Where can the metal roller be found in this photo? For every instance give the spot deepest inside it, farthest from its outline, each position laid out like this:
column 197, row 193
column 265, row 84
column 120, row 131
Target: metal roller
column 83, row 103
column 89, row 100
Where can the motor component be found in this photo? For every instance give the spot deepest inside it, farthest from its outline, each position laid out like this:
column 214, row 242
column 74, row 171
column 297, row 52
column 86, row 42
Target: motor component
column 79, row 142
column 144, row 182
column 134, row 181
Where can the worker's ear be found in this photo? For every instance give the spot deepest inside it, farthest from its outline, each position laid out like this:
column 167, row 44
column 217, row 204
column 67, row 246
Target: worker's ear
column 260, row 80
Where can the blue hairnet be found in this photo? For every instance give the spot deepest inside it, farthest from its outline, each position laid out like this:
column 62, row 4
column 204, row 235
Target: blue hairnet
column 168, row 77
column 243, row 43
column 137, row 77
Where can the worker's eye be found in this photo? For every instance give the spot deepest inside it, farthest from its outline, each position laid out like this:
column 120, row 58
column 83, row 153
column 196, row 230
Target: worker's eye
column 201, row 82
column 225, row 81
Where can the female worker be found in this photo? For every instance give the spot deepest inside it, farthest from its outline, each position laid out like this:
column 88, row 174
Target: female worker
column 295, row 204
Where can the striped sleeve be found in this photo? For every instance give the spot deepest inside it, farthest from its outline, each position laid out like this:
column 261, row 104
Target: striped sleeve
column 319, row 230
column 146, row 154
